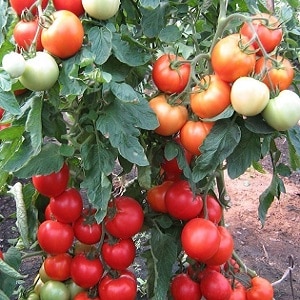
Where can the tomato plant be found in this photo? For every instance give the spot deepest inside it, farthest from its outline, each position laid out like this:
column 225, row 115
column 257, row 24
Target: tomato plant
column 260, row 288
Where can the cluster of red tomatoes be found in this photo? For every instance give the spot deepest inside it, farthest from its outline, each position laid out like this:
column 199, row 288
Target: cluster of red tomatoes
column 85, row 259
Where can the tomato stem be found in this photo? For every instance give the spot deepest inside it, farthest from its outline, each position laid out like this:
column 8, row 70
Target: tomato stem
column 239, row 261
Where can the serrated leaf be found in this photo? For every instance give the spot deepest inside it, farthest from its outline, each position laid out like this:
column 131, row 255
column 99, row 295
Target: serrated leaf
column 9, row 103
column 170, row 34
column 257, row 125
column 144, row 176
column 227, row 113
column 5, row 81
column 150, row 4
column 124, row 92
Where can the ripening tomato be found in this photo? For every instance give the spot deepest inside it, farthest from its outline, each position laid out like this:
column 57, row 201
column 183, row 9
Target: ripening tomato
column 53, row 184
column 58, row 267
column 211, row 99
column 268, row 30
column 260, row 288
column 20, row 5
column 193, row 133
column 277, row 72
column 101, row 9
column 14, row 64
column 169, row 74
column 75, row 289
column 170, row 117
column 181, row 202
column 200, row 239
column 74, row 6
column 24, row 33
column 232, row 57
column 214, row 209
column 64, row 36
column 53, row 289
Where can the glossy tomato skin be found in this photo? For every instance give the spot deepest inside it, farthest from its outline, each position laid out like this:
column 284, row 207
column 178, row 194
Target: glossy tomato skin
column 181, row 202
column 170, row 117
column 183, row 287
column 156, row 197
column 101, row 9
column 67, row 206
column 86, row 272
column 20, row 5
column 278, row 73
column 74, row 6
column 214, row 209
column 268, row 30
column 54, row 290
column 127, row 217
column 169, row 77
column 58, row 267
column 213, row 99
column 53, row 184
column 230, row 61
column 214, row 286
column 55, row 237
column 24, row 33
column 125, row 284
column 193, row 133
column 260, row 288
column 200, row 239
column 118, row 255
column 64, row 37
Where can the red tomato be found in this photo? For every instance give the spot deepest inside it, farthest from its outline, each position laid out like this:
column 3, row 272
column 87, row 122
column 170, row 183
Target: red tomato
column 181, row 202
column 58, row 267
column 53, row 184
column 156, row 197
column 67, row 206
column 1, row 255
column 183, row 287
column 225, row 249
column 49, row 214
column 55, row 237
column 64, row 37
column 125, row 217
column 74, row 6
column 214, row 286
column 118, row 255
column 229, row 58
column 111, row 288
column 85, row 296
column 214, row 209
column 169, row 75
column 200, row 239
column 193, row 133
column 260, row 289
column 277, row 72
column 20, row 5
column 170, row 117
column 268, row 30
column 2, row 111
column 238, row 292
column 211, row 99
column 86, row 272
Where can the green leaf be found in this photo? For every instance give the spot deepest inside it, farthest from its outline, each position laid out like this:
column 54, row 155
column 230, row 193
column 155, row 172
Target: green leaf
column 124, row 92
column 144, row 176
column 9, row 103
column 170, row 34
column 257, row 125
column 3, row 19
column 5, row 81
column 227, row 113
column 3, row 296
column 150, row 4
column 218, row 145
column 293, row 136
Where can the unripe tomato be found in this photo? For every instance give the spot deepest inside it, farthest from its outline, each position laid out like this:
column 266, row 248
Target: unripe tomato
column 101, row 9
column 54, row 290
column 14, row 64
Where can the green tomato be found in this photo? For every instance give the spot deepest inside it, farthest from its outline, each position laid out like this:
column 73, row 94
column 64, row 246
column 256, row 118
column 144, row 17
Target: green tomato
column 43, row 275
column 101, row 9
column 283, row 111
column 14, row 64
column 41, row 72
column 74, row 288
column 38, row 286
column 33, row 296
column 54, row 290
column 249, row 96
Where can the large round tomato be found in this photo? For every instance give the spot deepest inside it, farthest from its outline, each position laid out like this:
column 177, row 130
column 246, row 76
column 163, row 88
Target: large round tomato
column 20, row 5
column 55, row 237
column 24, row 33
column 183, row 287
column 101, row 9
column 169, row 74
column 231, row 58
column 74, row 6
column 118, row 255
column 67, row 206
column 170, row 117
column 125, row 217
column 260, row 288
column 193, row 133
column 249, row 96
column 58, row 267
column 268, row 30
column 181, row 202
column 211, row 99
column 124, row 286
column 53, row 184
column 277, row 72
column 64, row 36
column 54, row 290
column 213, row 209
column 86, row 272
column 156, row 197
column 283, row 111
column 214, row 286
column 225, row 249
column 200, row 239
column 14, row 64
column 41, row 72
